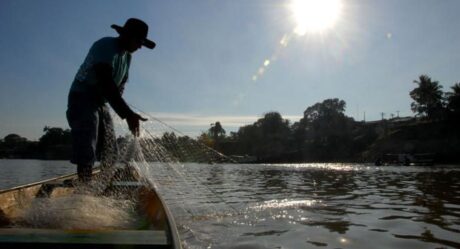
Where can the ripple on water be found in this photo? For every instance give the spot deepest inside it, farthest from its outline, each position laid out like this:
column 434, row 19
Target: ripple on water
column 318, row 205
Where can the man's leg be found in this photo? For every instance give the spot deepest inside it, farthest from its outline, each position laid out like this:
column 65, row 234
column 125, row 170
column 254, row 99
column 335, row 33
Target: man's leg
column 84, row 172
column 83, row 120
column 107, row 141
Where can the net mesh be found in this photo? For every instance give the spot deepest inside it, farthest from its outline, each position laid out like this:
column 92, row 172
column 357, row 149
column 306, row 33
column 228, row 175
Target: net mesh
column 159, row 157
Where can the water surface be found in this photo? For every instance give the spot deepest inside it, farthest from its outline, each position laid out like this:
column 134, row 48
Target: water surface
column 314, row 205
column 296, row 205
column 14, row 172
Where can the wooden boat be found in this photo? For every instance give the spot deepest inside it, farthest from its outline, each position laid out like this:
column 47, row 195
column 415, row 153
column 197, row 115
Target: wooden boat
column 159, row 229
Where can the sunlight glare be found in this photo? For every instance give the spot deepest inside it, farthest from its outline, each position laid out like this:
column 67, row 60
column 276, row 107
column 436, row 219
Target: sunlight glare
column 315, row 15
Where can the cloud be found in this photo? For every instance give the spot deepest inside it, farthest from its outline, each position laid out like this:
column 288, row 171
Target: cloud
column 187, row 119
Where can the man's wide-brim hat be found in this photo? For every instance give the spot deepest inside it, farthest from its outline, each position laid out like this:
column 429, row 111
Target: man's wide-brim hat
column 137, row 29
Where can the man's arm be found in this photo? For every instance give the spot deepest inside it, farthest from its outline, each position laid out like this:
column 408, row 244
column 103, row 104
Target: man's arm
column 108, row 89
column 121, row 88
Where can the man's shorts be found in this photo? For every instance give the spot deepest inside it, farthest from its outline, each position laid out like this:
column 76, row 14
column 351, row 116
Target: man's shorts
column 93, row 135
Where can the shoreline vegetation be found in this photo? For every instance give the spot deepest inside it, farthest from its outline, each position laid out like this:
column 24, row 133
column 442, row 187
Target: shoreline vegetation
column 324, row 134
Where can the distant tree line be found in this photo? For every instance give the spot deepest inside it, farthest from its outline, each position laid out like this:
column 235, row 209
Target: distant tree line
column 54, row 144
column 324, row 133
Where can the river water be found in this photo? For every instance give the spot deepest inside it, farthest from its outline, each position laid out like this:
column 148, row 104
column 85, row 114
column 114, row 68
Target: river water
column 19, row 172
column 297, row 205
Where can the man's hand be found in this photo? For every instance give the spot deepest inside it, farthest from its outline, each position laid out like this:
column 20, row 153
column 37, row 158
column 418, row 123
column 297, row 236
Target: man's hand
column 133, row 123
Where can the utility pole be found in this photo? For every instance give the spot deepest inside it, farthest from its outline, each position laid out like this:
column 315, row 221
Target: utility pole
column 397, row 113
column 364, row 117
column 384, row 123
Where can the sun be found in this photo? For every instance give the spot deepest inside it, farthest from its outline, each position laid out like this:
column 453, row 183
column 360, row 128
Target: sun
column 315, row 16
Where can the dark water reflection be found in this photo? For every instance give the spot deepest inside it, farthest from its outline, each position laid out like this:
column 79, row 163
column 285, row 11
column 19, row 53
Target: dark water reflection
column 316, row 205
column 296, row 206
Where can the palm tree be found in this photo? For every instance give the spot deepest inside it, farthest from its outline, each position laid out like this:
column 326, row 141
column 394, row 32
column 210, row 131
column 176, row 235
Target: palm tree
column 216, row 131
column 427, row 97
column 456, row 88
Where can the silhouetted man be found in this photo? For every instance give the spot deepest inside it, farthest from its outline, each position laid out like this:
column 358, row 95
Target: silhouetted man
column 101, row 79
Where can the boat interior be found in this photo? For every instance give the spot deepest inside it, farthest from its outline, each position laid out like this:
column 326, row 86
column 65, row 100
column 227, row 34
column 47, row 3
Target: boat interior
column 156, row 228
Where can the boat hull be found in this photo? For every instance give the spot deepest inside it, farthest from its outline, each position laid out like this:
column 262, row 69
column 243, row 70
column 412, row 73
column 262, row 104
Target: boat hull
column 159, row 231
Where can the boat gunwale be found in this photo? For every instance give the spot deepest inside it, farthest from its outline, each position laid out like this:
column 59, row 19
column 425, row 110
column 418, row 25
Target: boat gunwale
column 2, row 191
column 175, row 239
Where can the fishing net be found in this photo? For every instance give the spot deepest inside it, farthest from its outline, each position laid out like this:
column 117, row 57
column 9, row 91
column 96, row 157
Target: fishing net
column 165, row 158
column 159, row 157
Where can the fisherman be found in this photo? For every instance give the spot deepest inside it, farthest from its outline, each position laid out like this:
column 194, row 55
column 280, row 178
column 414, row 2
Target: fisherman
column 101, row 79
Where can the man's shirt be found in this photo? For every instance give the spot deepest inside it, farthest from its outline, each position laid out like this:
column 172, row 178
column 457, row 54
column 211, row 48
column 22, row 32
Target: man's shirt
column 106, row 50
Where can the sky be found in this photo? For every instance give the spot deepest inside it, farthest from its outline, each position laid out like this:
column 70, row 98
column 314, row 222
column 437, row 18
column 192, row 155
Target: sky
column 227, row 60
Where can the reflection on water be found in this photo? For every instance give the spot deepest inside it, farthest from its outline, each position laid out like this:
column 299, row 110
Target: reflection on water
column 296, row 205
column 315, row 206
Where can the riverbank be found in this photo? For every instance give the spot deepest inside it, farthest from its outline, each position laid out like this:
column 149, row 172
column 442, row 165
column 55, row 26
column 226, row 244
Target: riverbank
column 442, row 139
column 373, row 140
column 358, row 142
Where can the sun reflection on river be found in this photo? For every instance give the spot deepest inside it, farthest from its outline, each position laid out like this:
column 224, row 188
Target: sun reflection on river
column 283, row 204
column 317, row 205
